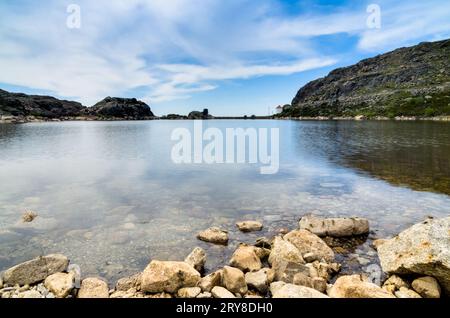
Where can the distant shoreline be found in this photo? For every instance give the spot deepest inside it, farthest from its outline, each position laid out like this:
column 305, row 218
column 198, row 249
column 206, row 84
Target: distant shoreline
column 22, row 120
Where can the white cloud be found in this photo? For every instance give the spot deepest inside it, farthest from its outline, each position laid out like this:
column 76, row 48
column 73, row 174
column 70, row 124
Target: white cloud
column 173, row 49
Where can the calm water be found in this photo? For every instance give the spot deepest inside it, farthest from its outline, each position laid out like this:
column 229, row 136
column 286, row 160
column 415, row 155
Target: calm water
column 109, row 197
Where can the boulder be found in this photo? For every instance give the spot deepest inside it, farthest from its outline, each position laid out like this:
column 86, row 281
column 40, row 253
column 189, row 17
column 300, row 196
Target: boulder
column 284, row 251
column 220, row 292
column 355, row 287
column 210, row 281
column 427, row 287
column 422, row 249
column 295, row 291
column 36, row 270
column 309, row 243
column 93, row 288
column 233, row 279
column 189, row 292
column 246, row 259
column 335, row 227
column 260, row 280
column 60, row 284
column 404, row 292
column 285, row 271
column 249, row 226
column 196, row 259
column 114, row 107
column 168, row 277
column 214, row 235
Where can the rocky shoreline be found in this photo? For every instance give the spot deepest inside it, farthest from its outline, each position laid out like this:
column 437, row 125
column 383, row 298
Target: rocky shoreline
column 296, row 264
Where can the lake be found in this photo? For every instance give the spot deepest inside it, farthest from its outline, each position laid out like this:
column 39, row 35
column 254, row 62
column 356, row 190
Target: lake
column 110, row 198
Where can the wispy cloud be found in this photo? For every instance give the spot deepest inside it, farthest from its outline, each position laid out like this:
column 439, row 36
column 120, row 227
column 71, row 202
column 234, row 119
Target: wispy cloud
column 174, row 49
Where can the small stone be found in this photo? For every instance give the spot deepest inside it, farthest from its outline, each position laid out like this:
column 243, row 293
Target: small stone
column 126, row 283
column 196, row 259
column 309, row 244
column 234, row 280
column 355, row 287
column 220, row 292
column 295, row 291
column 168, row 277
column 93, row 288
column 214, row 235
column 249, row 226
column 30, row 294
column 189, row 292
column 396, row 282
column 205, row 295
column 210, row 281
column 260, row 280
column 427, row 287
column 60, row 284
column 245, row 259
column 404, row 292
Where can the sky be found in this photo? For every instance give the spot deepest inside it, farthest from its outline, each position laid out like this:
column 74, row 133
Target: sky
column 234, row 57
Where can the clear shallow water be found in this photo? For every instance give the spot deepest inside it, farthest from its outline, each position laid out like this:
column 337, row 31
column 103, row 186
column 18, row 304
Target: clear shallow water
column 109, row 197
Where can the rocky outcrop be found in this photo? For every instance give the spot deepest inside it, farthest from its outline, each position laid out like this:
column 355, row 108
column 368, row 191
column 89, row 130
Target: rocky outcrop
column 22, row 105
column 126, row 108
column 168, row 277
column 412, row 81
column 18, row 107
column 422, row 249
column 335, row 227
column 35, row 270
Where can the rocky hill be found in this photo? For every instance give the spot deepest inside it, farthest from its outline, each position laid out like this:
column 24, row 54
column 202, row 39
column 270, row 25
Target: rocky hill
column 22, row 105
column 17, row 107
column 413, row 81
column 121, row 108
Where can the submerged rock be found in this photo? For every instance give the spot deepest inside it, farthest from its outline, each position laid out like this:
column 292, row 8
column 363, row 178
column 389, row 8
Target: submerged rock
column 422, row 249
column 197, row 258
column 355, row 287
column 214, row 235
column 249, row 226
column 246, row 259
column 309, row 243
column 35, row 270
column 93, row 287
column 168, row 277
column 335, row 227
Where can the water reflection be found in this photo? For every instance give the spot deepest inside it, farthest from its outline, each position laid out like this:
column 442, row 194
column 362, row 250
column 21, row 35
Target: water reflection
column 109, row 197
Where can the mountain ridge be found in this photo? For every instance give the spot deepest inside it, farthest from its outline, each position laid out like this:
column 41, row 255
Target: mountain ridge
column 409, row 81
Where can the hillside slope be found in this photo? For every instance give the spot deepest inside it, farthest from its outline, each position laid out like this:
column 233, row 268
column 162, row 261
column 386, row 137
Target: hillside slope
column 413, row 81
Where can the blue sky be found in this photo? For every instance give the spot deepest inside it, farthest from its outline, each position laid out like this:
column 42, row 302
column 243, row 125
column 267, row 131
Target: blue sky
column 234, row 57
